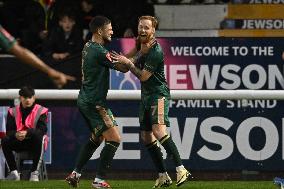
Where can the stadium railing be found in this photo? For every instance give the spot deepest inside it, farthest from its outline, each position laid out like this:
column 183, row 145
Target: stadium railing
column 6, row 94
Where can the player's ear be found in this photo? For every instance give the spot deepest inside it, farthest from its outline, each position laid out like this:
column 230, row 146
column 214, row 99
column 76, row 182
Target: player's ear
column 99, row 31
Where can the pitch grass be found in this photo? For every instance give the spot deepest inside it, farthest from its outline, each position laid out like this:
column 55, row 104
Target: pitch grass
column 141, row 184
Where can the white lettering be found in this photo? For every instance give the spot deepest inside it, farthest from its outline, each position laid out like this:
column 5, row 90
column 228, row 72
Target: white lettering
column 271, row 135
column 177, row 77
column 204, row 75
column 261, row 74
column 211, row 136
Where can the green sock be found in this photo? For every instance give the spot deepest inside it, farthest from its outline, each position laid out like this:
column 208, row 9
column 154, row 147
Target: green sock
column 106, row 157
column 85, row 154
column 157, row 156
column 171, row 149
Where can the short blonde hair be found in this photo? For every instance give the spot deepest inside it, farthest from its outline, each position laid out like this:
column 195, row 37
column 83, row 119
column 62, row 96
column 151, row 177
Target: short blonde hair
column 152, row 18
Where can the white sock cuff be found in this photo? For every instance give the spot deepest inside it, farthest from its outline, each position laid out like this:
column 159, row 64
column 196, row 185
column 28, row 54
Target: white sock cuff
column 179, row 168
column 76, row 173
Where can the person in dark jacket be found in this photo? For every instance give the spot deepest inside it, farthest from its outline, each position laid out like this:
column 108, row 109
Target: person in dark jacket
column 25, row 129
column 64, row 40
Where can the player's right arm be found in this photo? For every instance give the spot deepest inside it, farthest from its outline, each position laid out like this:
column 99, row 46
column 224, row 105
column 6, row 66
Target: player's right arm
column 9, row 43
column 107, row 61
column 134, row 54
column 30, row 58
column 142, row 75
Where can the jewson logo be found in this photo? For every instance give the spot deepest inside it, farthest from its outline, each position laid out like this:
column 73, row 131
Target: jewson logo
column 119, row 80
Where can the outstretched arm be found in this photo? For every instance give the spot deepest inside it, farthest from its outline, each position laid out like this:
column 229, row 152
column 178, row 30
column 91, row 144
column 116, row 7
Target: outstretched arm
column 30, row 58
column 142, row 75
column 121, row 67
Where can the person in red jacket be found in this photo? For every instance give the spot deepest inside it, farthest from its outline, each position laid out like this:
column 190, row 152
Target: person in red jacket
column 25, row 128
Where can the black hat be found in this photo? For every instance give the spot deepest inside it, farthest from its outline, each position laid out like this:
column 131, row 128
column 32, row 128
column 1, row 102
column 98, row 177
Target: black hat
column 27, row 92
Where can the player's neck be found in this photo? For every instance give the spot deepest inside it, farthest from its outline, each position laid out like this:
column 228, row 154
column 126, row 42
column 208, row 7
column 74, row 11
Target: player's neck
column 97, row 39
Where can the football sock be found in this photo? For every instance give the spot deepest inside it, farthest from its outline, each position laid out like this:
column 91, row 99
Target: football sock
column 106, row 157
column 171, row 149
column 157, row 156
column 85, row 154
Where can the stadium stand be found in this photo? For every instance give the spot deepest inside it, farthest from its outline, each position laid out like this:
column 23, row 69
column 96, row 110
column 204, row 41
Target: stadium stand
column 225, row 20
column 181, row 20
column 253, row 20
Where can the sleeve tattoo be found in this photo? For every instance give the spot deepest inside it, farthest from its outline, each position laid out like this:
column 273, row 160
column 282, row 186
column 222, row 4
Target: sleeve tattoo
column 136, row 57
column 136, row 71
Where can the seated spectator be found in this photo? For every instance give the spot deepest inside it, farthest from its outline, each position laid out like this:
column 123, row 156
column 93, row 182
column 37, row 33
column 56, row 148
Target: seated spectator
column 64, row 40
column 88, row 11
column 25, row 128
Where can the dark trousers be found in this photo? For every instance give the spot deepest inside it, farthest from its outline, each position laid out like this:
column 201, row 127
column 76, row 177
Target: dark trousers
column 32, row 144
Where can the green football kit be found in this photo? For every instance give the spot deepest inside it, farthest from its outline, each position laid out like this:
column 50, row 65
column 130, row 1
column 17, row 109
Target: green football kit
column 155, row 94
column 96, row 63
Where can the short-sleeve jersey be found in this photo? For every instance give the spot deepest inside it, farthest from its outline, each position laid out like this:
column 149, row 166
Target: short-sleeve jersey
column 96, row 62
column 153, row 62
column 6, row 40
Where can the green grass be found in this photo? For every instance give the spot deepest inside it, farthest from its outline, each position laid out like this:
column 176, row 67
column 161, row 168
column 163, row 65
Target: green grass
column 123, row 184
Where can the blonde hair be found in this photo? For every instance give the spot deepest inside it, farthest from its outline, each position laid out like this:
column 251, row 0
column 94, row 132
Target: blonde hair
column 152, row 18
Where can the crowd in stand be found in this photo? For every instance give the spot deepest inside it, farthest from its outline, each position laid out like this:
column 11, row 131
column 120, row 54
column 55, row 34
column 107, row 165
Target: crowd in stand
column 57, row 29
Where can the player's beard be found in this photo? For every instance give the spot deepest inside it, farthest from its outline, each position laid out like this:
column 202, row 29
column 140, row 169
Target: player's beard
column 145, row 39
column 106, row 40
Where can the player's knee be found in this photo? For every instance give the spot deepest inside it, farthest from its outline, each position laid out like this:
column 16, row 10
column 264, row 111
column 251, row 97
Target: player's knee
column 159, row 131
column 116, row 138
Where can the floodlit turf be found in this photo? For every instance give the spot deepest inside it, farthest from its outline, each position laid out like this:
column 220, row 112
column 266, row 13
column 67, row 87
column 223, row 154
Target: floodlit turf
column 123, row 184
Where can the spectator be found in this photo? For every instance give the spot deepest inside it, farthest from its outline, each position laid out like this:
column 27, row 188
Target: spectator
column 12, row 14
column 25, row 20
column 125, row 22
column 64, row 40
column 55, row 8
column 33, row 31
column 88, row 11
column 8, row 43
column 25, row 128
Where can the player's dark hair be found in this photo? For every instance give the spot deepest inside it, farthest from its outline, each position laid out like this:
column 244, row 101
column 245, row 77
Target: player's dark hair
column 98, row 22
column 27, row 91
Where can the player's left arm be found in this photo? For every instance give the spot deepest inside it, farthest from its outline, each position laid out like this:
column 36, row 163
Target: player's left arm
column 142, row 75
column 107, row 61
column 121, row 67
column 30, row 58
